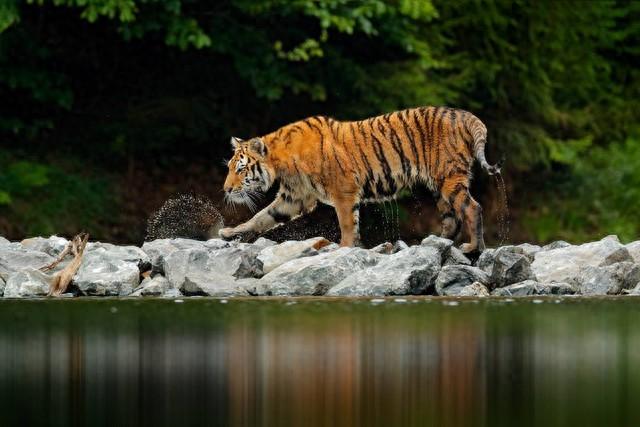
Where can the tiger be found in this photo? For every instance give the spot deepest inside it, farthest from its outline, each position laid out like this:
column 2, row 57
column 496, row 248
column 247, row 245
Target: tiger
column 348, row 163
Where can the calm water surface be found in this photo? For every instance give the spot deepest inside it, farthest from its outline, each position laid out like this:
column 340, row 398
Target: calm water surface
column 320, row 362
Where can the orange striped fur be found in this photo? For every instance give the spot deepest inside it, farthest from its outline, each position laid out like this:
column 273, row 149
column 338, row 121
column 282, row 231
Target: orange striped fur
column 344, row 164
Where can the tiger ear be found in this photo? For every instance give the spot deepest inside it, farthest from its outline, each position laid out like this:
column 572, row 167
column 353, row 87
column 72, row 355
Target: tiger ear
column 257, row 146
column 235, row 142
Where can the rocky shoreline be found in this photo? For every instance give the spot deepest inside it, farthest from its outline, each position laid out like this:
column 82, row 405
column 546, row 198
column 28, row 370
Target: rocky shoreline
column 183, row 267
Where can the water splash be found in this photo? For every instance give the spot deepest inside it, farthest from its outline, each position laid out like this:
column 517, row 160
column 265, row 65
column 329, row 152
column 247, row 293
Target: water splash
column 504, row 221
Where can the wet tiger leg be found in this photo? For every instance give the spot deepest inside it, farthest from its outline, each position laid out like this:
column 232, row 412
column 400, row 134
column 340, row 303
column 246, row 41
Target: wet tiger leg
column 450, row 225
column 467, row 210
column 348, row 212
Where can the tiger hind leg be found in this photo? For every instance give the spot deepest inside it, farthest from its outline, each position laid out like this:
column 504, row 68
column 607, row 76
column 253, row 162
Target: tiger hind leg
column 467, row 210
column 450, row 224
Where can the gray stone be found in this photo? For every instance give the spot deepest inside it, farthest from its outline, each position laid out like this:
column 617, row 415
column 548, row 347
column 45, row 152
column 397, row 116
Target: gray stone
column 485, row 260
column 158, row 250
column 453, row 278
column 329, row 248
column 155, row 286
column 565, row 264
column 209, row 272
column 103, row 275
column 476, row 289
column 315, row 275
column 410, row 271
column 531, row 287
column 441, row 244
column 634, row 250
column 398, row 246
column 4, row 241
column 636, row 290
column 276, row 255
column 529, row 250
column 510, row 265
column 53, row 245
column 556, row 245
column 2, row 286
column 456, row 257
column 383, row 248
column 131, row 254
column 608, row 280
column 14, row 257
column 263, row 242
column 28, row 282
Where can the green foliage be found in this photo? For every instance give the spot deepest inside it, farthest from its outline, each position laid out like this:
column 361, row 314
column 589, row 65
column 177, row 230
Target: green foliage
column 601, row 194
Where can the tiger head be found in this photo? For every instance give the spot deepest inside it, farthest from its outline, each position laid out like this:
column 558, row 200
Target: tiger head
column 249, row 171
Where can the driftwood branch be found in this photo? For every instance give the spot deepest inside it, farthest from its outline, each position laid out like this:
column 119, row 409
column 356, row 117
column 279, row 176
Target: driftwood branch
column 61, row 280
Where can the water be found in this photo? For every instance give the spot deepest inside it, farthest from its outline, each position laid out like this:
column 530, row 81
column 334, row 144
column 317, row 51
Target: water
column 317, row 362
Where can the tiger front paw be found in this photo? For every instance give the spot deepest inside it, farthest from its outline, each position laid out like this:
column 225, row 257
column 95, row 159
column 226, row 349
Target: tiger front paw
column 228, row 233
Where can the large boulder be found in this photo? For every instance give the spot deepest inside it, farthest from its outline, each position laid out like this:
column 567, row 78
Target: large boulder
column 53, row 245
column 102, row 275
column 476, row 289
column 132, row 254
column 456, row 257
column 634, row 250
column 276, row 255
column 507, row 265
column 564, row 264
column 410, row 271
column 4, row 241
column 13, row 258
column 28, row 282
column 315, row 275
column 608, row 280
column 215, row 272
column 159, row 249
column 531, row 287
column 636, row 290
column 441, row 244
column 156, row 286
column 453, row 278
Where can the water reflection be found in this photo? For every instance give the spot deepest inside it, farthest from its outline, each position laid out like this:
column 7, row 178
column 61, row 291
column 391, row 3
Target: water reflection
column 317, row 362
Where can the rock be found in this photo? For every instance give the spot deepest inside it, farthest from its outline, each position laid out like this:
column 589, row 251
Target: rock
column 200, row 271
column 636, row 290
column 13, row 257
column 158, row 250
column 529, row 250
column 398, row 246
column 410, row 271
column 53, row 245
column 383, row 248
column 28, row 282
column 608, row 280
column 274, row 256
column 156, row 286
column 329, row 248
column 555, row 245
column 565, row 263
column 634, row 250
column 509, row 264
column 531, row 287
column 263, row 242
column 2, row 286
column 441, row 244
column 456, row 257
column 476, row 289
column 131, row 254
column 103, row 275
column 453, row 278
column 485, row 260
column 315, row 275
column 4, row 241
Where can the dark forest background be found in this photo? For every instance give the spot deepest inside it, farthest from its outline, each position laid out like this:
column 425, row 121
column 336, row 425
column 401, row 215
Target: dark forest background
column 109, row 107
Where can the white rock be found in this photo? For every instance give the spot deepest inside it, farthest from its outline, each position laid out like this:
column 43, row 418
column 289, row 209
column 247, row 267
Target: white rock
column 410, row 271
column 155, row 286
column 28, row 282
column 14, row 257
column 476, row 289
column 608, row 280
column 634, row 250
column 53, row 245
column 102, row 275
column 315, row 275
column 276, row 255
column 565, row 263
